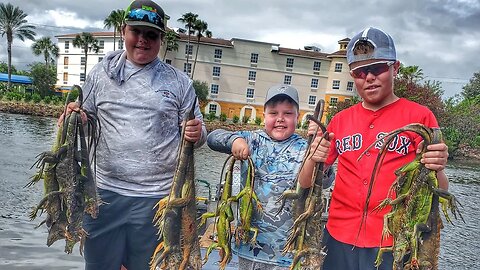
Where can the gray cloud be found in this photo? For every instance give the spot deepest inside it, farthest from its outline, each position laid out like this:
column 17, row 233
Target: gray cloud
column 439, row 36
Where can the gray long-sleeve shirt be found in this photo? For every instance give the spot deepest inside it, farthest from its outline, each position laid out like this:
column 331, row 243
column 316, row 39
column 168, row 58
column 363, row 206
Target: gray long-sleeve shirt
column 140, row 111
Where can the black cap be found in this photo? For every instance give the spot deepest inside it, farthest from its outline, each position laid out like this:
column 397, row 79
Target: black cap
column 145, row 12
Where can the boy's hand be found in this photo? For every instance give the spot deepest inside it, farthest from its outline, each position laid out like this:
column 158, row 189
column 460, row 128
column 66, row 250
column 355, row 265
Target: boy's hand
column 72, row 106
column 435, row 158
column 240, row 149
column 193, row 130
column 312, row 127
column 320, row 153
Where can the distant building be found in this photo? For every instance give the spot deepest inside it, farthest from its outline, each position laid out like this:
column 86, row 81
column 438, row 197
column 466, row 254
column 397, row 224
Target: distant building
column 71, row 60
column 238, row 71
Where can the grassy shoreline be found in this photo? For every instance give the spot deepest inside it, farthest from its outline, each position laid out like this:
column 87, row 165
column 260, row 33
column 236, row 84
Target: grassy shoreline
column 50, row 110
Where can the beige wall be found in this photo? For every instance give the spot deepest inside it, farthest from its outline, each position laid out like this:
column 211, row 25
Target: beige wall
column 270, row 69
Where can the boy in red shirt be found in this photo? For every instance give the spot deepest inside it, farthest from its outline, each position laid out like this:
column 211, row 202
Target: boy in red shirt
column 373, row 65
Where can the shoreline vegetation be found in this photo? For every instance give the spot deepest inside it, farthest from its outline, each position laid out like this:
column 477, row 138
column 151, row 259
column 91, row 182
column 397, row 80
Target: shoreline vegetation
column 466, row 156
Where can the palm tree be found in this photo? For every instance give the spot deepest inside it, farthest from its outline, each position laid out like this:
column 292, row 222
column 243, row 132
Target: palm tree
column 87, row 42
column 13, row 23
column 201, row 29
column 115, row 20
column 189, row 20
column 410, row 73
column 170, row 42
column 46, row 47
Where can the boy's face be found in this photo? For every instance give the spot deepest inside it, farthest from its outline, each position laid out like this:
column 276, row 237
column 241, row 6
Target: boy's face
column 142, row 43
column 375, row 83
column 280, row 120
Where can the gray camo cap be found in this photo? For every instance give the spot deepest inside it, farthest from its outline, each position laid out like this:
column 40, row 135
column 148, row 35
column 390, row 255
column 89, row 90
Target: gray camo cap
column 381, row 41
column 282, row 89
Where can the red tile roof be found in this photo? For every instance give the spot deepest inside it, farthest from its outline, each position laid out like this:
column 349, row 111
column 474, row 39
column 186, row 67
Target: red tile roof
column 297, row 52
column 207, row 40
column 341, row 53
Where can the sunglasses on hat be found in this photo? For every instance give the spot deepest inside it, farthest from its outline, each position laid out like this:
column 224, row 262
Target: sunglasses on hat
column 376, row 69
column 149, row 16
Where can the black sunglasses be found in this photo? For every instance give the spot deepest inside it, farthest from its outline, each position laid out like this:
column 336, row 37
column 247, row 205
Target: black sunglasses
column 376, row 69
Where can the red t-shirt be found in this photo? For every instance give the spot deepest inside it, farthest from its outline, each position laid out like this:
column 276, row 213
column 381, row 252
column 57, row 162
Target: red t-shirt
column 355, row 129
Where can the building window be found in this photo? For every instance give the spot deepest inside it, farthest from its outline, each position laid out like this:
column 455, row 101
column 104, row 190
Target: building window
column 120, row 44
column 316, row 65
column 338, row 67
column 212, row 108
column 82, row 77
column 216, row 71
column 168, row 61
column 217, row 54
column 252, row 75
column 100, row 59
column 312, row 100
column 333, row 101
column 214, row 89
column 188, row 49
column 287, row 79
column 65, row 77
column 65, row 60
column 349, row 86
column 314, row 83
column 254, row 58
column 336, row 84
column 82, row 60
column 101, row 44
column 290, row 62
column 67, row 44
column 187, row 68
column 250, row 92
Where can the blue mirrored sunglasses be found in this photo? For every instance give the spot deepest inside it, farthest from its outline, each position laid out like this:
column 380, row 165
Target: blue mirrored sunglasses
column 376, row 69
column 144, row 15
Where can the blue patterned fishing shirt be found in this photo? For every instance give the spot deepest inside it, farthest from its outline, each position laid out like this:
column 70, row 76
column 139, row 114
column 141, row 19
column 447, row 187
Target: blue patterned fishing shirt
column 277, row 163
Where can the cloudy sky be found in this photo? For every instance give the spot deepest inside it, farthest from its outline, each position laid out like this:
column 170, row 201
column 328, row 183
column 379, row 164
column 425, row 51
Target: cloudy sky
column 442, row 37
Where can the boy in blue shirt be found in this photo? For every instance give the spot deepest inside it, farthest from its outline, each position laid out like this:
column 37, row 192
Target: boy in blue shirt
column 277, row 153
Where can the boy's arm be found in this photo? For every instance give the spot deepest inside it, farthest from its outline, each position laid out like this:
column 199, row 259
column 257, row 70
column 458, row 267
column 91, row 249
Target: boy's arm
column 318, row 153
column 221, row 140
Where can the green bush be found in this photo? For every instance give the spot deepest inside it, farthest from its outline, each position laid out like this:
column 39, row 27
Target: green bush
column 258, row 121
column 223, row 117
column 452, row 139
column 211, row 116
column 235, row 119
column 27, row 97
column 245, row 119
column 13, row 96
column 47, row 99
column 72, row 95
column 36, row 98
column 476, row 142
column 305, row 125
column 58, row 100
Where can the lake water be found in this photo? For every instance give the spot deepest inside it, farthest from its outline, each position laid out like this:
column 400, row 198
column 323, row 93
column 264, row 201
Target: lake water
column 23, row 247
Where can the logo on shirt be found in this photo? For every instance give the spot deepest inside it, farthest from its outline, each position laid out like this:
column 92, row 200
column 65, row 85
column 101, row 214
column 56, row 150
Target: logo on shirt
column 399, row 144
column 165, row 93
